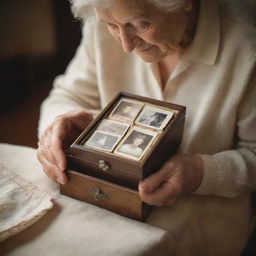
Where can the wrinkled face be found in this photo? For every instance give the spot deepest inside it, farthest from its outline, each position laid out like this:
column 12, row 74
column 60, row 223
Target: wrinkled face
column 144, row 28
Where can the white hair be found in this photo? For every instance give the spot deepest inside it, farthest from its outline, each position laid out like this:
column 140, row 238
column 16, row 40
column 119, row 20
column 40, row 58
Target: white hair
column 79, row 6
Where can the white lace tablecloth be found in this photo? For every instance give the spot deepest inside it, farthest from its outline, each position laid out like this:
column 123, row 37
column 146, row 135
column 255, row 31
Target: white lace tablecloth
column 72, row 227
column 21, row 203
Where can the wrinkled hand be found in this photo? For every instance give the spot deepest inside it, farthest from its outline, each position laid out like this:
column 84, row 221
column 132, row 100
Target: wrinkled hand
column 56, row 139
column 180, row 174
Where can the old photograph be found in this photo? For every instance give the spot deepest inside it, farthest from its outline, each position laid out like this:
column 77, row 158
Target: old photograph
column 126, row 110
column 113, row 127
column 136, row 143
column 103, row 141
column 153, row 117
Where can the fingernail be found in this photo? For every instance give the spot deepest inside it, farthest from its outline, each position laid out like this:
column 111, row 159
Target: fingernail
column 60, row 180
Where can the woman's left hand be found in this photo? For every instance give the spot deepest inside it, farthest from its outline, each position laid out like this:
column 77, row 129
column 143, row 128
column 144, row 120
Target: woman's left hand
column 182, row 173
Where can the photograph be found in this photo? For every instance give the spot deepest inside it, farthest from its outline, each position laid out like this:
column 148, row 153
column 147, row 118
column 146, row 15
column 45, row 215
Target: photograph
column 136, row 143
column 113, row 127
column 154, row 117
column 126, row 110
column 103, row 141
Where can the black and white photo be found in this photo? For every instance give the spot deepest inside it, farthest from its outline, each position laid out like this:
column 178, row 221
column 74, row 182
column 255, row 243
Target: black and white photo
column 103, row 141
column 113, row 127
column 126, row 110
column 153, row 117
column 136, row 143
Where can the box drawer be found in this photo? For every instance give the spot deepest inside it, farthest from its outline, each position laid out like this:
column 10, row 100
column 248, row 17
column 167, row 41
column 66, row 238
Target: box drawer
column 107, row 195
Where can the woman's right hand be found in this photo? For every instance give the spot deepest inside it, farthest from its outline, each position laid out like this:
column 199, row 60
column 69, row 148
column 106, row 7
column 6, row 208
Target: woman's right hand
column 56, row 140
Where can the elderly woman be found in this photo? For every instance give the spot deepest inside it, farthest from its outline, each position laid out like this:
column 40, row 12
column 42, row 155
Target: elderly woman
column 186, row 52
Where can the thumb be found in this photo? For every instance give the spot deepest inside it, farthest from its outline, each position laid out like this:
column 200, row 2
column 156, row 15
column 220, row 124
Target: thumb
column 152, row 182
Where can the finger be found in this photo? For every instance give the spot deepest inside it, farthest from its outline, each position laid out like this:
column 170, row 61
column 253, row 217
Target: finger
column 48, row 169
column 153, row 181
column 52, row 170
column 63, row 134
column 54, row 173
column 58, row 152
column 53, row 144
column 49, row 174
column 45, row 138
column 166, row 194
column 83, row 119
column 45, row 151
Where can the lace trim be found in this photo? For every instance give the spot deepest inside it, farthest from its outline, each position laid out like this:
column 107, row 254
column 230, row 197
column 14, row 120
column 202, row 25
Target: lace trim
column 11, row 186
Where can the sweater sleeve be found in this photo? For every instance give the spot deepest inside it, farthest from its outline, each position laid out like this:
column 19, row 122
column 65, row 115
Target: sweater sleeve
column 77, row 88
column 231, row 172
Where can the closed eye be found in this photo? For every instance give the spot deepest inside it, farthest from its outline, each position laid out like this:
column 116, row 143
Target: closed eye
column 113, row 26
column 143, row 24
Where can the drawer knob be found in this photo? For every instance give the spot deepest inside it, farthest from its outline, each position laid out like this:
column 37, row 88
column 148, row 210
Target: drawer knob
column 98, row 194
column 103, row 165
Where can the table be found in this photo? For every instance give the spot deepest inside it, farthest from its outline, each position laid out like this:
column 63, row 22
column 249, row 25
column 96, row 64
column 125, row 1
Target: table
column 73, row 227
column 195, row 226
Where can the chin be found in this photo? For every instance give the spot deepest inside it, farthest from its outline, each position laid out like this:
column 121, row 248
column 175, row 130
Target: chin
column 151, row 58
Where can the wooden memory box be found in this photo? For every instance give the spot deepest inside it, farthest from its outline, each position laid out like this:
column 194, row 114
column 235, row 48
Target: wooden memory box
column 129, row 140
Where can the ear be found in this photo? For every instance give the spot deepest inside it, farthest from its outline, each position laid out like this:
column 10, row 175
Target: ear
column 188, row 5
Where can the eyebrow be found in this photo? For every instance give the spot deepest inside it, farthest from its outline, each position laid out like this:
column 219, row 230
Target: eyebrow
column 134, row 17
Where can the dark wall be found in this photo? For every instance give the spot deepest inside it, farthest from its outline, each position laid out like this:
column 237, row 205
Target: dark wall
column 27, row 68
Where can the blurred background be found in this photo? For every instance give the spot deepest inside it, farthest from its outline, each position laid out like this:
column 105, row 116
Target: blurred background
column 37, row 40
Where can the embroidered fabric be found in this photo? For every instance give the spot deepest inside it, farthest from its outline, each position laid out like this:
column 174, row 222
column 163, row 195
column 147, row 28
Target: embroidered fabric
column 21, row 203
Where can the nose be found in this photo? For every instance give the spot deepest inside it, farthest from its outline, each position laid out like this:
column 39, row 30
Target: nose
column 128, row 39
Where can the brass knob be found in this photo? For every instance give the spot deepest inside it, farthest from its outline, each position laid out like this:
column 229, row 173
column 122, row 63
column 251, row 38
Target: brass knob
column 103, row 165
column 98, row 194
